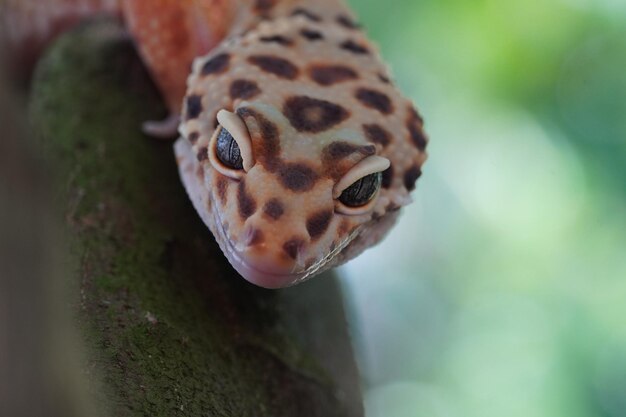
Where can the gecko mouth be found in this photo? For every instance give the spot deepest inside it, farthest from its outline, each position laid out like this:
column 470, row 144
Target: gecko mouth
column 260, row 277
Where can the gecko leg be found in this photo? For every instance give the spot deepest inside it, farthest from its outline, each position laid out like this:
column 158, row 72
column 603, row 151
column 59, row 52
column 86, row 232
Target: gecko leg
column 169, row 35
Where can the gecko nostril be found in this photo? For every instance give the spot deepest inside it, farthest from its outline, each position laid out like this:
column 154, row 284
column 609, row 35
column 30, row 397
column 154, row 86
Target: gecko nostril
column 253, row 236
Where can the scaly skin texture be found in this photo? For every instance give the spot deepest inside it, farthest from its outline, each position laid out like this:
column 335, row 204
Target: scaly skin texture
column 315, row 100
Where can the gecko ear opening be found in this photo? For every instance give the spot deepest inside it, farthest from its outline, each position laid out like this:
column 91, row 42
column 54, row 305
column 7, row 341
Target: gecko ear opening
column 356, row 192
column 230, row 148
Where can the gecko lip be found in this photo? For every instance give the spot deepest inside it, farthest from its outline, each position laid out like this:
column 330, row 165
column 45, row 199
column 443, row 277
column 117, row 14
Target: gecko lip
column 263, row 279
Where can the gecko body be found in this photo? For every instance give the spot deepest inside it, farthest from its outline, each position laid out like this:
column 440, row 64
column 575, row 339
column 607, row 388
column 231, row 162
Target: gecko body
column 295, row 147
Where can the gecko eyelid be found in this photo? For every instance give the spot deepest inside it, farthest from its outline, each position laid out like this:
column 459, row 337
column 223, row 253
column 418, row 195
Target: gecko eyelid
column 356, row 192
column 368, row 166
column 230, row 148
column 237, row 128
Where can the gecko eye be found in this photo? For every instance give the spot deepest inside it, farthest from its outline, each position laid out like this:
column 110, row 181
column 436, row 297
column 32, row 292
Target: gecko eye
column 356, row 192
column 227, row 150
column 230, row 147
column 363, row 191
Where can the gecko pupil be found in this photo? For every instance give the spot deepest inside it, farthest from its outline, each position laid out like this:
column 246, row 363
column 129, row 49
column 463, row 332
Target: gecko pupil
column 228, row 151
column 362, row 191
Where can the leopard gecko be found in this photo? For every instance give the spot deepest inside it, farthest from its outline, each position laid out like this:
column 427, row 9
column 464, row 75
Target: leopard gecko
column 295, row 147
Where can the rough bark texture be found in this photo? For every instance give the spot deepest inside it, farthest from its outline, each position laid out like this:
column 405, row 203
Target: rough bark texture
column 169, row 328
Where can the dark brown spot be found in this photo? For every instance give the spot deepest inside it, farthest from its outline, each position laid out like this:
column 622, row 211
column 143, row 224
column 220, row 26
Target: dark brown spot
column 335, row 157
column 267, row 149
column 375, row 100
column 411, row 177
column 274, row 209
column 414, row 115
column 244, row 89
column 318, row 223
column 354, row 47
column 417, row 135
column 377, row 134
column 264, row 6
column 246, row 204
column 391, row 207
column 340, row 150
column 308, row 114
column 307, row 14
column 281, row 40
column 203, row 154
column 275, row 65
column 387, row 177
column 312, row 35
column 194, row 106
column 414, row 125
column 331, row 74
column 216, row 65
column 298, row 178
column 256, row 237
column 193, row 137
column 347, row 22
column 384, row 78
column 292, row 247
column 222, row 189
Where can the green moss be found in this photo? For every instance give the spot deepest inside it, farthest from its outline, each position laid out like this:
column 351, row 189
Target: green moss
column 170, row 328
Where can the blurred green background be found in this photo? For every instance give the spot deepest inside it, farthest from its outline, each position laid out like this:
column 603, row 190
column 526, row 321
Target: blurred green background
column 502, row 292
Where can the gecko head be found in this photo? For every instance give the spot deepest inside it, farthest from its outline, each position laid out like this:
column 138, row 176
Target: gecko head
column 284, row 205
column 297, row 160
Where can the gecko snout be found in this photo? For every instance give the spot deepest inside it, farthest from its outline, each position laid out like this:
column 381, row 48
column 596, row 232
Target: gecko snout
column 267, row 262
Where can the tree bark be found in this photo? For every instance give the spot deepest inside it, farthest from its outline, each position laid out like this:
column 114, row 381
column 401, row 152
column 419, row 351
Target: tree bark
column 169, row 328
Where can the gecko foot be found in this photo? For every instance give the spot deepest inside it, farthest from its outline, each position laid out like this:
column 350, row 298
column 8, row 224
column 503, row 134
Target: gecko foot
column 164, row 129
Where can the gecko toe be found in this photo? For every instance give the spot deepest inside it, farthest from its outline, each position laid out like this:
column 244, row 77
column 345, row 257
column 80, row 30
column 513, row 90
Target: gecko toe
column 164, row 129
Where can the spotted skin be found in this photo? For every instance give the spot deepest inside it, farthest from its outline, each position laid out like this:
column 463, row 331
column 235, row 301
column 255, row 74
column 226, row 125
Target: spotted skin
column 316, row 100
column 323, row 101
